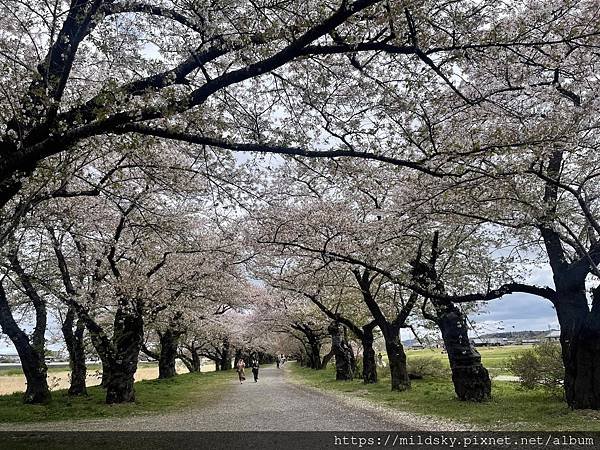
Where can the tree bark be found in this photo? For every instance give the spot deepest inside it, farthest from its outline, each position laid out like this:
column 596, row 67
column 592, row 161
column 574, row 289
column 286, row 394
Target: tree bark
column 579, row 325
column 127, row 342
column 325, row 361
column 391, row 331
column 35, row 370
column 196, row 361
column 169, row 341
column 192, row 362
column 344, row 357
column 315, row 353
column 30, row 353
column 470, row 378
column 105, row 373
column 580, row 342
column 369, row 372
column 225, row 363
column 397, row 359
column 76, row 349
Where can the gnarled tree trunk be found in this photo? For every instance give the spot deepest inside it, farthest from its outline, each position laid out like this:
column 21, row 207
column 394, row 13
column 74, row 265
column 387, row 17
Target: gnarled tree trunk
column 192, row 362
column 225, row 363
column 31, row 353
column 169, row 341
column 369, row 372
column 325, row 361
column 471, row 380
column 127, row 342
column 76, row 348
column 580, row 342
column 315, row 353
column 344, row 357
column 397, row 358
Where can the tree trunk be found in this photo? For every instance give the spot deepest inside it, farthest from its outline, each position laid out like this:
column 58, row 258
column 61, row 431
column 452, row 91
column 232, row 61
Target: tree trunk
column 471, row 380
column 127, row 342
column 397, row 359
column 580, row 342
column 326, row 359
column 187, row 362
column 119, row 383
column 344, row 357
column 226, row 356
column 369, row 372
column 196, row 361
column 76, row 349
column 169, row 341
column 105, row 374
column 315, row 354
column 35, row 370
column 31, row 356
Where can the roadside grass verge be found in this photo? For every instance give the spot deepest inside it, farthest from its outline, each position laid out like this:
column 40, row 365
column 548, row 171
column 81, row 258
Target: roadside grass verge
column 152, row 396
column 510, row 409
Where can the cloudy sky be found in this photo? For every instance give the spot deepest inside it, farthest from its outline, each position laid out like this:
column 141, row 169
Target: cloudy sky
column 516, row 312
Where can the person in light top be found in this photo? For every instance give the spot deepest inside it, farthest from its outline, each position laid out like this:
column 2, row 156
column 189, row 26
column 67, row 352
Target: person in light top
column 240, row 366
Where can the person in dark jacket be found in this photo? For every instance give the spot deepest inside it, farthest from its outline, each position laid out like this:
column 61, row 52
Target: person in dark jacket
column 255, row 367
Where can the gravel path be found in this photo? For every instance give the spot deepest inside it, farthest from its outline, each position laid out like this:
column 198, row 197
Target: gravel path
column 272, row 404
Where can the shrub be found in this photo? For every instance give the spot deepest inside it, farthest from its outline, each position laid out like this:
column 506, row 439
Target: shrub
column 540, row 366
column 427, row 367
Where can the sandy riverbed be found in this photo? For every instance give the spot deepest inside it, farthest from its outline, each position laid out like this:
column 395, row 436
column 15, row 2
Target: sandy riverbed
column 60, row 380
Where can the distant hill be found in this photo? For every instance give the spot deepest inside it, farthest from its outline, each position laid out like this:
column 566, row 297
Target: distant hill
column 510, row 335
column 513, row 335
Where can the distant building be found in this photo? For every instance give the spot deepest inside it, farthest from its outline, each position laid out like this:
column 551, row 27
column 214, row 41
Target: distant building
column 530, row 341
column 9, row 358
column 553, row 335
column 416, row 347
column 489, row 342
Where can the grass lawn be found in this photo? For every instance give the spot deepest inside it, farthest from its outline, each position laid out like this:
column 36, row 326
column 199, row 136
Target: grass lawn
column 493, row 358
column 510, row 409
column 152, row 396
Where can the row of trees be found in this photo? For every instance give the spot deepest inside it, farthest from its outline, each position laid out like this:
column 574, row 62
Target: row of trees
column 123, row 255
column 431, row 151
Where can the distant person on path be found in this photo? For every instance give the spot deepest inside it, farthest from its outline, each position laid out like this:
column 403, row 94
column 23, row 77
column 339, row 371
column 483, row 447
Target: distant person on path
column 240, row 370
column 380, row 362
column 277, row 361
column 255, row 367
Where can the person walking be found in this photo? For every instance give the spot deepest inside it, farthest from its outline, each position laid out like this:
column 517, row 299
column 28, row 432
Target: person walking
column 255, row 367
column 277, row 361
column 240, row 370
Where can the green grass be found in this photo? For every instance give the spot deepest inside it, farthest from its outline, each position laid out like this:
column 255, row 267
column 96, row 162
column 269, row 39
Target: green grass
column 152, row 396
column 510, row 409
column 493, row 358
